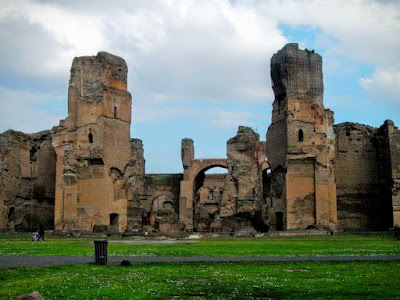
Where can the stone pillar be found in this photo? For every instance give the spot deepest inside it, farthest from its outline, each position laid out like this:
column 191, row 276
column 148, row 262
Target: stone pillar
column 389, row 166
column 394, row 144
column 186, row 185
column 242, row 191
column 187, row 154
column 300, row 141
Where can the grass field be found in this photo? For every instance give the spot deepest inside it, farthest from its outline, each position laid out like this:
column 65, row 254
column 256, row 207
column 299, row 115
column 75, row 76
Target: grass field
column 283, row 246
column 246, row 280
column 312, row 280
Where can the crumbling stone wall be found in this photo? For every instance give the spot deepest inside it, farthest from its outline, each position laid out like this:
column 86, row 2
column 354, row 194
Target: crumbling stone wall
column 134, row 186
column 154, row 204
column 90, row 175
column 207, row 203
column 27, row 180
column 243, row 195
column 357, row 177
column 366, row 175
column 388, row 137
column 93, row 146
column 186, row 185
column 162, row 201
column 300, row 144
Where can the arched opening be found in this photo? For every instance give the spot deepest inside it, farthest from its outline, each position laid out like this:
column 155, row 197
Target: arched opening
column 90, row 136
column 208, row 187
column 216, row 170
column 301, row 135
column 163, row 213
column 114, row 218
column 279, row 221
column 115, row 112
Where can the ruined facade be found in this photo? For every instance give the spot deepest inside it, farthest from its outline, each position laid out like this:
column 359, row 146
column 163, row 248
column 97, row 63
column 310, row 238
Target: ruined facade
column 27, row 180
column 93, row 146
column 87, row 174
column 367, row 170
column 300, row 143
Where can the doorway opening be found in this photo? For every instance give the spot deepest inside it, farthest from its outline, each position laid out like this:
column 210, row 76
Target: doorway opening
column 114, row 219
column 279, row 221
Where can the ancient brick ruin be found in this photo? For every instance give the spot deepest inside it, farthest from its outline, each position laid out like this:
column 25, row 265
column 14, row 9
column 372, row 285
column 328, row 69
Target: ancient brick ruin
column 87, row 174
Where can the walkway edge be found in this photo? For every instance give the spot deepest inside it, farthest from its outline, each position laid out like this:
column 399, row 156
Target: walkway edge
column 7, row 262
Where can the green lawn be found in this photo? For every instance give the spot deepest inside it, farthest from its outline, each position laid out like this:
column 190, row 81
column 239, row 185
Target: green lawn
column 292, row 280
column 283, row 246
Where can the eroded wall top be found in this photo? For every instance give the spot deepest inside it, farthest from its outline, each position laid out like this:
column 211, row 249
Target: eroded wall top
column 98, row 88
column 104, row 69
column 296, row 72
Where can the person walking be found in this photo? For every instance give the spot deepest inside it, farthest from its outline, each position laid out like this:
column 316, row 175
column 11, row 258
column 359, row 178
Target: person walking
column 41, row 233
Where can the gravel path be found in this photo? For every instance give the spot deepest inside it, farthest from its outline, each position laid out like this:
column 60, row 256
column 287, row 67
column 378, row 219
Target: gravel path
column 7, row 262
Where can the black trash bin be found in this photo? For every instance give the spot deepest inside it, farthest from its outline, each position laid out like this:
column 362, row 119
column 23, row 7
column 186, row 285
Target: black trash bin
column 100, row 251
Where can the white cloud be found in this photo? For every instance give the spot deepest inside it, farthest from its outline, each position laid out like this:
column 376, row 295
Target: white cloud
column 186, row 51
column 44, row 38
column 20, row 110
column 232, row 119
column 384, row 85
column 212, row 49
column 365, row 30
column 351, row 32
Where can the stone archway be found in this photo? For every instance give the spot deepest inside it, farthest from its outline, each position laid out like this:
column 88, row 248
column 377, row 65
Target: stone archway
column 208, row 189
column 189, row 184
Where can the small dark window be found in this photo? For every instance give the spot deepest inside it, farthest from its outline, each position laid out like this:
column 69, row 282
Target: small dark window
column 90, row 138
column 301, row 135
column 115, row 112
column 114, row 219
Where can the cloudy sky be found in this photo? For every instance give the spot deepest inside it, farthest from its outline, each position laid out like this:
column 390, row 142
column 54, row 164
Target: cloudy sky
column 197, row 69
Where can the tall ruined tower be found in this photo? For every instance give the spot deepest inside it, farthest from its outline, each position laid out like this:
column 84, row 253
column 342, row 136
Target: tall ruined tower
column 300, row 144
column 93, row 145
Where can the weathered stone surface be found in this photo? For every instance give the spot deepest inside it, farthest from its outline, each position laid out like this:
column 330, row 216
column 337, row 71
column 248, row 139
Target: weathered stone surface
column 207, row 203
column 187, row 154
column 93, row 147
column 35, row 295
column 243, row 194
column 192, row 213
column 308, row 174
column 245, row 232
column 243, row 164
column 357, row 177
column 155, row 204
column 365, row 175
column 389, row 173
column 297, row 74
column 27, row 179
column 300, row 143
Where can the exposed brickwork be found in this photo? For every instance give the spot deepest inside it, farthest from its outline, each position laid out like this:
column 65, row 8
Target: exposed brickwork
column 366, row 175
column 87, row 174
column 27, row 180
column 93, row 146
column 300, row 144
